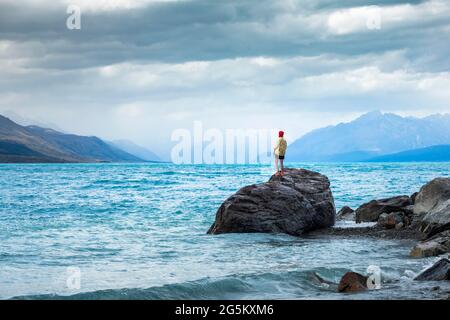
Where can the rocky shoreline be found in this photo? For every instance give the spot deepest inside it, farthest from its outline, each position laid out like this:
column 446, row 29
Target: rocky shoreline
column 424, row 216
column 371, row 232
column 300, row 203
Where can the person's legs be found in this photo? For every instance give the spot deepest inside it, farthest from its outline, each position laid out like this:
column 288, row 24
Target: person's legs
column 276, row 164
column 282, row 165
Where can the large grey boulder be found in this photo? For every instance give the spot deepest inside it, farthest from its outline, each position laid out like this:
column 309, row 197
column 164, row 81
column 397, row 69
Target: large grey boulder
column 432, row 206
column 295, row 203
column 371, row 211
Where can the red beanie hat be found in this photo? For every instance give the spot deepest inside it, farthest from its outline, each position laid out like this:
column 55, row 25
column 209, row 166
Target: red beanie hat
column 281, row 134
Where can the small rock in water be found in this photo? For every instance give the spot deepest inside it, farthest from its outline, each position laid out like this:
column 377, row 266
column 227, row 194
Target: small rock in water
column 425, row 249
column 323, row 282
column 438, row 272
column 436, row 288
column 436, row 245
column 352, row 282
column 346, row 213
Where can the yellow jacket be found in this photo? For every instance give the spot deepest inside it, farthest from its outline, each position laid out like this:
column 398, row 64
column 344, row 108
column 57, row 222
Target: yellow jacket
column 280, row 149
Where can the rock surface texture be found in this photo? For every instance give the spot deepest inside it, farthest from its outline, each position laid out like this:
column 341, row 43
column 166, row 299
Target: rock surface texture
column 346, row 214
column 438, row 272
column 295, row 203
column 352, row 282
column 432, row 204
column 371, row 211
column 434, row 246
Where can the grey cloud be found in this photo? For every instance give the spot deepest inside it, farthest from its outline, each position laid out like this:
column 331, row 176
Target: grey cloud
column 204, row 30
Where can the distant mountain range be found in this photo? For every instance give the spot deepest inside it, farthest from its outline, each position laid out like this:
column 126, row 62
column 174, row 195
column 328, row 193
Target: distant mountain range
column 435, row 153
column 35, row 144
column 374, row 135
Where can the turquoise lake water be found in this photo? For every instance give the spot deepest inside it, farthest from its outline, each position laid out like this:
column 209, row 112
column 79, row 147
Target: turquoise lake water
column 138, row 231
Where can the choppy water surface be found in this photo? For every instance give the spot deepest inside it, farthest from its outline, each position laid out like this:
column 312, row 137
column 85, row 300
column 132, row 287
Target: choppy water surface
column 138, row 231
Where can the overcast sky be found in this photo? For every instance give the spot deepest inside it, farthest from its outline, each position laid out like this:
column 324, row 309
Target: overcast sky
column 138, row 69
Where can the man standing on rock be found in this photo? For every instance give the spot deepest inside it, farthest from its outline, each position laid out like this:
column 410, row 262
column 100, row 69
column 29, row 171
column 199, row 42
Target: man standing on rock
column 280, row 152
